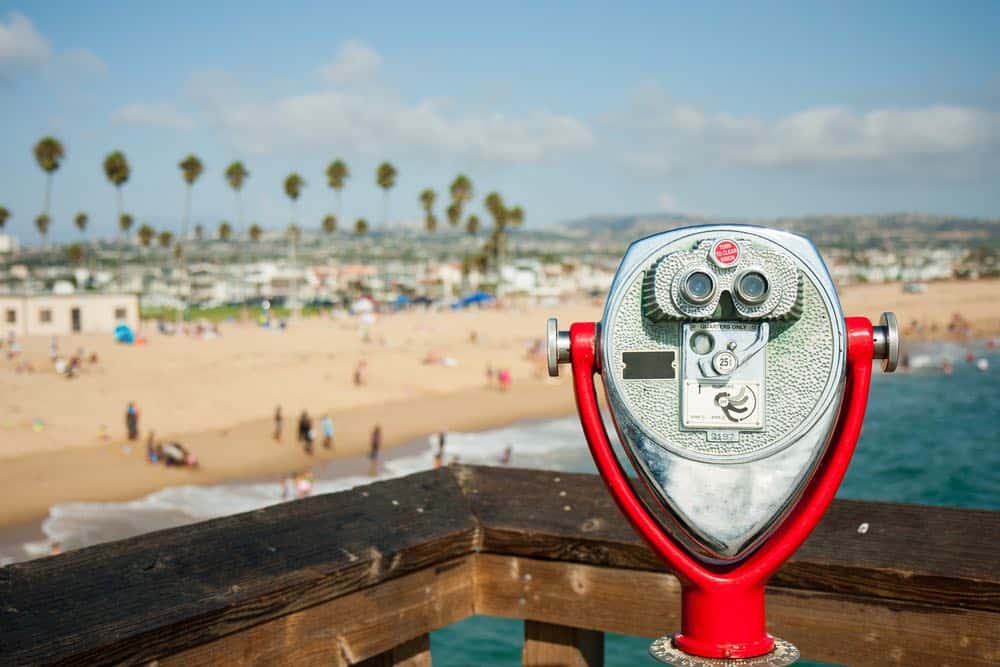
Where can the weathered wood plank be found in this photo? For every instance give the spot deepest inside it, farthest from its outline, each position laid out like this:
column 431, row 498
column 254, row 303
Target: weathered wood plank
column 932, row 555
column 547, row 645
column 152, row 596
column 414, row 653
column 382, row 625
column 838, row 628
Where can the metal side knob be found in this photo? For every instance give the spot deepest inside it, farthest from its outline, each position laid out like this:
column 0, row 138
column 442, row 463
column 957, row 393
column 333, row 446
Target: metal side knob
column 556, row 346
column 885, row 338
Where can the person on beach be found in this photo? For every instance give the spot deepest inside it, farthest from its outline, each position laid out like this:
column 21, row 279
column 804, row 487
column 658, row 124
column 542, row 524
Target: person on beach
column 279, row 423
column 327, row 425
column 505, row 379
column 132, row 420
column 504, row 459
column 152, row 455
column 439, row 454
column 305, row 432
column 373, row 451
column 361, row 374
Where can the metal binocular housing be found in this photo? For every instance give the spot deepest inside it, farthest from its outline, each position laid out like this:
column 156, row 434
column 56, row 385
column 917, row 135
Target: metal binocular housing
column 728, row 366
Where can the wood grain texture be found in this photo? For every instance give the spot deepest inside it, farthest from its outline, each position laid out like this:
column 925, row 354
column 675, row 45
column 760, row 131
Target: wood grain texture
column 843, row 629
column 152, row 596
column 347, row 577
column 372, row 626
column 547, row 645
column 414, row 653
column 932, row 555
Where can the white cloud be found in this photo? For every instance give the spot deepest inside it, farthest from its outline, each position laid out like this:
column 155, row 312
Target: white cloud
column 83, row 61
column 657, row 127
column 157, row 114
column 375, row 121
column 356, row 61
column 21, row 46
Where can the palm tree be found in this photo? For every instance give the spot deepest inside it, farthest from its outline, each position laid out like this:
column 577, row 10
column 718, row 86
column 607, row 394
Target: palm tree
column 199, row 232
column 225, row 231
column 49, row 154
column 461, row 193
column 191, row 169
column 336, row 174
column 329, row 224
column 472, row 225
column 81, row 221
column 361, row 227
column 431, row 223
column 427, row 198
column 385, row 177
column 236, row 174
column 255, row 232
column 494, row 204
column 117, row 171
column 145, row 234
column 165, row 238
column 495, row 246
column 74, row 251
column 42, row 224
column 454, row 213
column 293, row 188
column 4, row 216
column 516, row 216
column 125, row 223
column 294, row 234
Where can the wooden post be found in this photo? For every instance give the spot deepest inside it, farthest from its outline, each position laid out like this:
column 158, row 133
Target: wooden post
column 548, row 645
column 414, row 653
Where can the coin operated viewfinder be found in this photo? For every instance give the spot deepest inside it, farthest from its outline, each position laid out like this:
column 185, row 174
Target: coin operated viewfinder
column 737, row 389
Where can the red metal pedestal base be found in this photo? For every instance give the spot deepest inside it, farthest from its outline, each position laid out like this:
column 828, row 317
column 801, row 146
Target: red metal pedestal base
column 722, row 614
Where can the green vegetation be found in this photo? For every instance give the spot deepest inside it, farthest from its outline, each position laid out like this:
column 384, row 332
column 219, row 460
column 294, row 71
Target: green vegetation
column 217, row 314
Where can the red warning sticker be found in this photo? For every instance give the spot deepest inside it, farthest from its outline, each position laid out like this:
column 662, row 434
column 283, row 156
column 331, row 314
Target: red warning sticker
column 725, row 252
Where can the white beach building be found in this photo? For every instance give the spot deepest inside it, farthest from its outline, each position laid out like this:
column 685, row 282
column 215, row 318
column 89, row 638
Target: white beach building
column 64, row 314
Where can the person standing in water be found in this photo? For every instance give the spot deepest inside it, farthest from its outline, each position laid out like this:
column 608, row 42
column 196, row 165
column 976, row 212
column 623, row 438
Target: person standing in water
column 327, row 425
column 279, row 422
column 439, row 455
column 373, row 452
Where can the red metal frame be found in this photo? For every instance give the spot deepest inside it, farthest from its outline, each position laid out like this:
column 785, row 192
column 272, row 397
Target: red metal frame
column 722, row 607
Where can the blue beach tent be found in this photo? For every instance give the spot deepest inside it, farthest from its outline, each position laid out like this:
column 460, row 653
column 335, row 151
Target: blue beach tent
column 474, row 298
column 124, row 334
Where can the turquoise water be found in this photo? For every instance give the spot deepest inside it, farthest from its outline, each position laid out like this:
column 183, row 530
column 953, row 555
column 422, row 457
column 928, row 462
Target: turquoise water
column 928, row 438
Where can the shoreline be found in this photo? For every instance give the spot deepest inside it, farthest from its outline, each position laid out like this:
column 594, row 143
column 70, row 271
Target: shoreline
column 33, row 478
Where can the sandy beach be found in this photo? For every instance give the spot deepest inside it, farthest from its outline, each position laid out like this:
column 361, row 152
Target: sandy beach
column 64, row 440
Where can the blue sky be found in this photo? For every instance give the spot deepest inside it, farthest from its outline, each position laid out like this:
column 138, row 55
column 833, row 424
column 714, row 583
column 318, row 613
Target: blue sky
column 568, row 109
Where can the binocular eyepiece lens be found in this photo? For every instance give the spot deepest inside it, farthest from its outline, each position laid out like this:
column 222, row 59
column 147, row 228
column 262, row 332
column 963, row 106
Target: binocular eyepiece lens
column 752, row 287
column 698, row 287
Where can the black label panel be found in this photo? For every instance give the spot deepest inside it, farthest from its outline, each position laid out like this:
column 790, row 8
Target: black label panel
column 658, row 365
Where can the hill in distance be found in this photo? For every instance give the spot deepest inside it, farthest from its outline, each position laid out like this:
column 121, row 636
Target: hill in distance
column 899, row 229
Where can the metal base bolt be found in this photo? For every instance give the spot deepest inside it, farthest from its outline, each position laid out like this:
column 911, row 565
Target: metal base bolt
column 885, row 337
column 557, row 346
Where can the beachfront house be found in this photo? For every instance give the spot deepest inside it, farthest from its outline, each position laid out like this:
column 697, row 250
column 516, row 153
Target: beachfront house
column 64, row 314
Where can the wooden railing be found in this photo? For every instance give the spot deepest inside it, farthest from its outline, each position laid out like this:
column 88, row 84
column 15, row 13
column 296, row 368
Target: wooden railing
column 363, row 577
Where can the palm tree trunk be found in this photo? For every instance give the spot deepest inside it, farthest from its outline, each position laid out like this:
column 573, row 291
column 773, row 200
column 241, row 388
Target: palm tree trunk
column 48, row 192
column 385, row 210
column 240, row 249
column 121, row 233
column 182, row 263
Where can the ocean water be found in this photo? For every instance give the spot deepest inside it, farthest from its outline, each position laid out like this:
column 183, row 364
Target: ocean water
column 929, row 437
